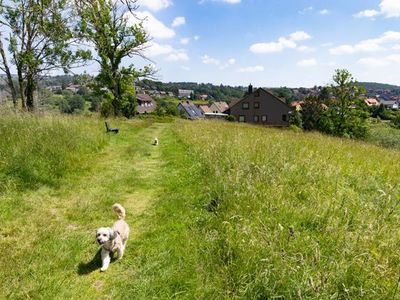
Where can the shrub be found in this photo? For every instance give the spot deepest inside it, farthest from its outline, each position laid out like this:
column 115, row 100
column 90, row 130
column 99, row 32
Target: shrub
column 230, row 118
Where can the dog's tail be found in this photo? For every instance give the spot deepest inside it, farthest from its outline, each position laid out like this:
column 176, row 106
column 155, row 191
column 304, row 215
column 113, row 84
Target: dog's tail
column 119, row 210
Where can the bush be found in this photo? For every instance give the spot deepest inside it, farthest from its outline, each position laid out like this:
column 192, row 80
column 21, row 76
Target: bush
column 230, row 118
column 72, row 103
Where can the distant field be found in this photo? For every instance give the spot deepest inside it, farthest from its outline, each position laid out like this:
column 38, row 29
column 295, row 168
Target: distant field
column 217, row 211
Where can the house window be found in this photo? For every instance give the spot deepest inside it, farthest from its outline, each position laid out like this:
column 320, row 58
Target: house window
column 257, row 93
column 242, row 119
column 256, row 119
column 284, row 118
column 256, row 104
column 245, row 105
column 264, row 119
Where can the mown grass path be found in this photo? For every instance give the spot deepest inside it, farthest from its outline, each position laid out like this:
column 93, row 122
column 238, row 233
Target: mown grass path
column 48, row 234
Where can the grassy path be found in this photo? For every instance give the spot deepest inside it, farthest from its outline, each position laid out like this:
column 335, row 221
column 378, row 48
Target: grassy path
column 49, row 233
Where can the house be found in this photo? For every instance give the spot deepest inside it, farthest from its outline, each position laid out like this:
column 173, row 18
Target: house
column 261, row 107
column 146, row 104
column 54, row 88
column 219, row 107
column 205, row 109
column 203, row 97
column 371, row 102
column 73, row 88
column 185, row 94
column 190, row 110
column 390, row 104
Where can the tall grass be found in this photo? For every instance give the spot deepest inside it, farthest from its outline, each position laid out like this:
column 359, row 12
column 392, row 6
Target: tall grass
column 383, row 134
column 292, row 215
column 40, row 150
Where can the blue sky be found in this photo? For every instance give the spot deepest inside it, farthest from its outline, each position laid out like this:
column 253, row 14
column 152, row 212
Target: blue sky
column 273, row 42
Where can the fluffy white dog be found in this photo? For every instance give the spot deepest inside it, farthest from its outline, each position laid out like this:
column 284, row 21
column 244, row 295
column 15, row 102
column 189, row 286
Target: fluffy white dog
column 114, row 238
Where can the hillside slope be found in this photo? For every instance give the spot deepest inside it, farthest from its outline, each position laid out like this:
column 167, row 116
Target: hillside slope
column 217, row 211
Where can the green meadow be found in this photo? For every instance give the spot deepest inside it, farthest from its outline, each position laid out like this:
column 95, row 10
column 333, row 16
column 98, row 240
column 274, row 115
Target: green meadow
column 217, row 211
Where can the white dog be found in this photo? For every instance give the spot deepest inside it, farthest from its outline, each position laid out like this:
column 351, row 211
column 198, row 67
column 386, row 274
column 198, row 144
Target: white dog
column 114, row 238
column 155, row 143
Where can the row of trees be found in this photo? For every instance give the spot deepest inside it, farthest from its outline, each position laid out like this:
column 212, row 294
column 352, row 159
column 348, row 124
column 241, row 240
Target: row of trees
column 47, row 35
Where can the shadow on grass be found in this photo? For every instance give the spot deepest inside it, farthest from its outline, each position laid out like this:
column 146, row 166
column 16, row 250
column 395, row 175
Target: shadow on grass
column 89, row 267
column 93, row 265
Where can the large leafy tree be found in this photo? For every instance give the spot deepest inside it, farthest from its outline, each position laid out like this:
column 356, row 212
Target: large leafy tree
column 40, row 40
column 112, row 29
column 345, row 116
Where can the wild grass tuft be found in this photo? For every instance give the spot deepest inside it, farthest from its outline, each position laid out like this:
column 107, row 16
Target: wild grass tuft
column 40, row 150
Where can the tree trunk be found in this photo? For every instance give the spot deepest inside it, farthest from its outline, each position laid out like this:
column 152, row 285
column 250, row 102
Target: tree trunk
column 29, row 91
column 21, row 86
column 8, row 73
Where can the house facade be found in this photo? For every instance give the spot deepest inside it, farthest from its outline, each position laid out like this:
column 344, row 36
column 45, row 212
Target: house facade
column 145, row 104
column 261, row 107
column 185, row 94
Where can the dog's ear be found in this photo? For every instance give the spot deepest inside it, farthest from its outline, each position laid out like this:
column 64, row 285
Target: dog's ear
column 112, row 233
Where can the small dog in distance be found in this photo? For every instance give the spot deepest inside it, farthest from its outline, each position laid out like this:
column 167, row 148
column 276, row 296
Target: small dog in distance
column 113, row 239
column 155, row 143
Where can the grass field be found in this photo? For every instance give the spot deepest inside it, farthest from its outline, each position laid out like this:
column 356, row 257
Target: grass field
column 217, row 211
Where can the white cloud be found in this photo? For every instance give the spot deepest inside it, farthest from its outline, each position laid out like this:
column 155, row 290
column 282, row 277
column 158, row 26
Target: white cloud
column 307, row 62
column 368, row 13
column 154, row 49
column 281, row 44
column 178, row 21
column 171, row 54
column 387, row 8
column 324, row 12
column 396, row 47
column 390, row 8
column 372, row 62
column 394, row 58
column 370, row 45
column 306, row 49
column 184, row 41
column 253, row 69
column 185, row 68
column 305, row 10
column 196, row 37
column 155, row 5
column 209, row 60
column 300, row 36
column 152, row 25
column 178, row 55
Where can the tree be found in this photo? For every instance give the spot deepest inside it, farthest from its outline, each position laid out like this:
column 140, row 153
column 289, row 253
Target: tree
column 311, row 112
column 4, row 66
column 346, row 116
column 40, row 40
column 112, row 28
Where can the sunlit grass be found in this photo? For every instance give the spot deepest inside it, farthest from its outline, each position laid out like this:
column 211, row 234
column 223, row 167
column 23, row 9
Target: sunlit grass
column 217, row 211
column 294, row 214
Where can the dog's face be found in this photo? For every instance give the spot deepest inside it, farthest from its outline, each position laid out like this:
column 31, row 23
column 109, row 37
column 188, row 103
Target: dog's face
column 103, row 235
